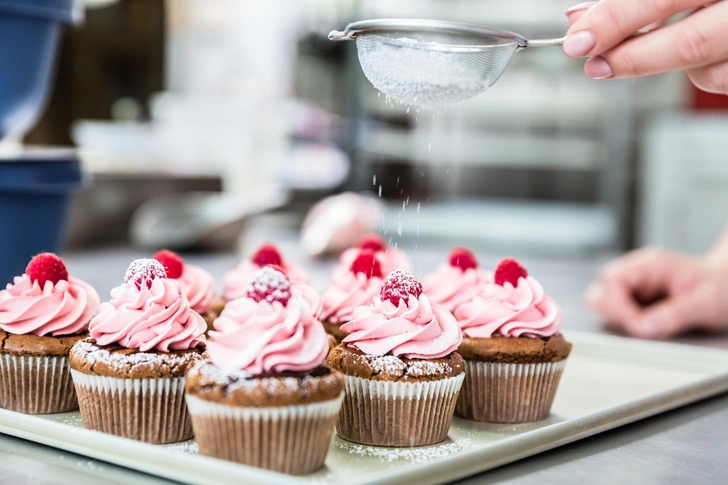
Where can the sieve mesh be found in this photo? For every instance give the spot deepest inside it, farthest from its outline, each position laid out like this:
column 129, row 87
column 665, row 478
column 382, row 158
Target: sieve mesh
column 431, row 69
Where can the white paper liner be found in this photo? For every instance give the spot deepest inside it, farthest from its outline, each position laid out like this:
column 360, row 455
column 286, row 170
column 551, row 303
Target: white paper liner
column 150, row 409
column 289, row 439
column 36, row 384
column 509, row 393
column 398, row 413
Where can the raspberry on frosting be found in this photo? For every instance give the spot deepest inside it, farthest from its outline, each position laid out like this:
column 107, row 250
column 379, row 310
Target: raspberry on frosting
column 463, row 258
column 367, row 263
column 271, row 285
column 267, row 254
column 509, row 271
column 400, row 285
column 173, row 263
column 145, row 271
column 373, row 242
column 46, row 267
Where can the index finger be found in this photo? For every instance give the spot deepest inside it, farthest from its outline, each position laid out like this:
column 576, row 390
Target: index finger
column 610, row 22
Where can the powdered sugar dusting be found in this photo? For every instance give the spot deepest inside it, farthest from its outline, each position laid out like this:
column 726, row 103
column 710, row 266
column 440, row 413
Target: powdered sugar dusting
column 423, row 454
column 92, row 354
column 270, row 285
column 387, row 364
column 426, row 368
column 145, row 270
column 189, row 447
column 400, row 285
column 239, row 379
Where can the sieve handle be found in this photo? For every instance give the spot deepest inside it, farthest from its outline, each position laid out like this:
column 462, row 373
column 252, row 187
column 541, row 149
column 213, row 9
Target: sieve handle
column 545, row 42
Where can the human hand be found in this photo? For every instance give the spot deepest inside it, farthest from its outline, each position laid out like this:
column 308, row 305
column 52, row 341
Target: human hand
column 697, row 44
column 687, row 293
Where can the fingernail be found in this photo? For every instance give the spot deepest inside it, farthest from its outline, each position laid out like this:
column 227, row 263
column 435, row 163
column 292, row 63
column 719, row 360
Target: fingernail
column 598, row 68
column 579, row 44
column 650, row 328
column 581, row 6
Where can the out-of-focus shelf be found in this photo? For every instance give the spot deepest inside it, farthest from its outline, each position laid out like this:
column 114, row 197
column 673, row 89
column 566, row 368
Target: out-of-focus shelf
column 483, row 149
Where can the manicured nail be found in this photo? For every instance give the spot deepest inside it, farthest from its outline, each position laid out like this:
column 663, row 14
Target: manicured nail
column 581, row 6
column 579, row 44
column 598, row 68
column 650, row 328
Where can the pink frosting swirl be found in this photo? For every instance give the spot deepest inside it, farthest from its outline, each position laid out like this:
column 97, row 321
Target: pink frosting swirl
column 415, row 330
column 508, row 311
column 198, row 286
column 389, row 260
column 61, row 309
column 235, row 282
column 347, row 291
column 259, row 337
column 156, row 318
column 450, row 286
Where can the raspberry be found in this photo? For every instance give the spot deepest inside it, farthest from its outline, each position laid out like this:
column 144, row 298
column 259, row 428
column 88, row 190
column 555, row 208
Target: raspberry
column 145, row 270
column 373, row 242
column 267, row 254
column 173, row 263
column 46, row 267
column 400, row 285
column 366, row 262
column 270, row 285
column 463, row 258
column 509, row 270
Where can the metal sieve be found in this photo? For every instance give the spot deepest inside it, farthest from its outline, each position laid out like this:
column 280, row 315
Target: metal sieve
column 432, row 62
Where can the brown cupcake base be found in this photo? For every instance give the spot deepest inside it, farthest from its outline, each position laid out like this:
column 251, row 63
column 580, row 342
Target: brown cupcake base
column 334, row 329
column 152, row 410
column 508, row 393
column 34, row 384
column 388, row 413
column 287, row 439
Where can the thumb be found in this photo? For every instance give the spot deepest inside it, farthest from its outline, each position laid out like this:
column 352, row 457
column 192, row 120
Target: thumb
column 675, row 315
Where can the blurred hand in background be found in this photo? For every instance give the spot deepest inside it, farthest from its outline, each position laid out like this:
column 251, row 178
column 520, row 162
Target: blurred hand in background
column 655, row 293
column 605, row 32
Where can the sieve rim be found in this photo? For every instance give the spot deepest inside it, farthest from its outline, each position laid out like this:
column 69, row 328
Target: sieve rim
column 433, row 46
column 420, row 25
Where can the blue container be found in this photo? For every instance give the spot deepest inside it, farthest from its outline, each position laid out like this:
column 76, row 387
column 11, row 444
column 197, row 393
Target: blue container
column 29, row 33
column 35, row 191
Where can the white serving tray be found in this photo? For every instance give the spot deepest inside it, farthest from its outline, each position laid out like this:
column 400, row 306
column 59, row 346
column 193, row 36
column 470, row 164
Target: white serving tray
column 608, row 382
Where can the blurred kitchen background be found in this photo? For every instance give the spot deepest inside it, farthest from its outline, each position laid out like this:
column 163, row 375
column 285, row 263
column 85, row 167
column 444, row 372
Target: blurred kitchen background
column 201, row 122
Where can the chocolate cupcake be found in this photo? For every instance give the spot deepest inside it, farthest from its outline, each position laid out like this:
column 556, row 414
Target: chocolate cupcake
column 402, row 373
column 264, row 398
column 352, row 286
column 129, row 376
column 514, row 353
column 42, row 314
column 197, row 284
column 458, row 281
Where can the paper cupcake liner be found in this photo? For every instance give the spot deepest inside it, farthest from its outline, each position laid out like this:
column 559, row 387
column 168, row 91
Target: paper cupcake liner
column 36, row 384
column 508, row 393
column 151, row 409
column 287, row 439
column 398, row 413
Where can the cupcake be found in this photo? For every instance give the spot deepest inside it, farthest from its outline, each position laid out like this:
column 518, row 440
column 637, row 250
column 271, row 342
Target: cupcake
column 264, row 398
column 42, row 314
column 129, row 375
column 351, row 287
column 197, row 284
column 402, row 373
column 236, row 281
column 389, row 258
column 457, row 282
column 514, row 354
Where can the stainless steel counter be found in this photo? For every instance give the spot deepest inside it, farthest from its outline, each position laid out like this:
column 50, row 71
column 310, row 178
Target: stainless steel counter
column 687, row 445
